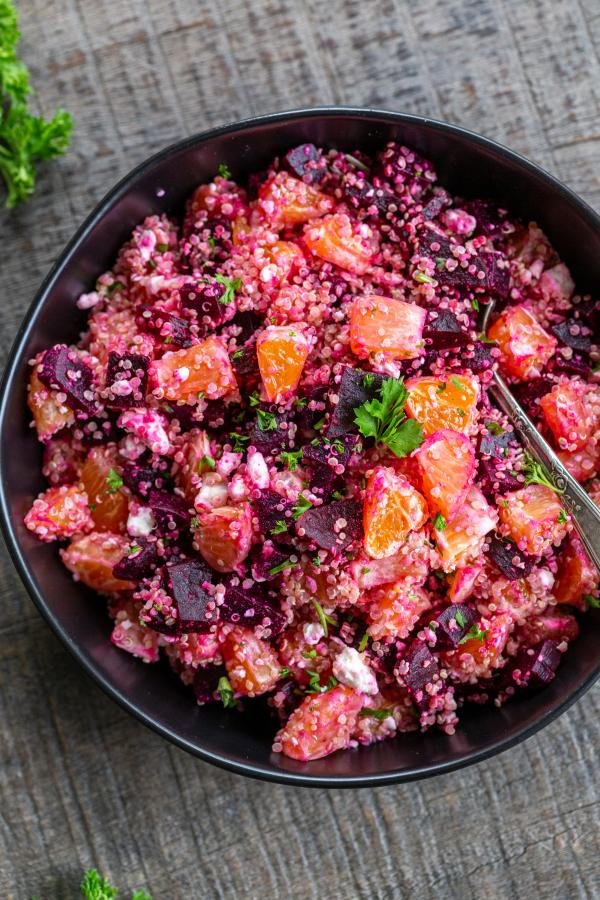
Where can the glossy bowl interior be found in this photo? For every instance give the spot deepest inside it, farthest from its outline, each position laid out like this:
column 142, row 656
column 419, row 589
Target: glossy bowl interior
column 468, row 165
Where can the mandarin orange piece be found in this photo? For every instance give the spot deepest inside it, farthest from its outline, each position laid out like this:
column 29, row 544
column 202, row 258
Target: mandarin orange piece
column 582, row 464
column 183, row 374
column 569, row 415
column 478, row 657
column 60, row 512
column 195, row 451
column 223, row 536
column 91, row 559
column 253, row 666
column 49, row 414
column 534, row 518
column 321, row 724
column 338, row 240
column 286, row 257
column 395, row 609
column 460, row 542
column 447, row 462
column 392, row 508
column 447, row 402
column 282, row 351
column 382, row 325
column 576, row 575
column 285, row 200
column 525, row 346
column 100, row 475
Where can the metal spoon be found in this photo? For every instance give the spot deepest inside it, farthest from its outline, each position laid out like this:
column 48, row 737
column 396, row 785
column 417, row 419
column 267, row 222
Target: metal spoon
column 584, row 512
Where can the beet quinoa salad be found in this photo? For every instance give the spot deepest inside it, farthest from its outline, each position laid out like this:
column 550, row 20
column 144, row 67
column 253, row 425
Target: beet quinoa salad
column 273, row 454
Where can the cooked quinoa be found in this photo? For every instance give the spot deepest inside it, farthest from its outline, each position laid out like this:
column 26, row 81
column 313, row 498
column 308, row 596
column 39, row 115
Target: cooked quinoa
column 273, row 452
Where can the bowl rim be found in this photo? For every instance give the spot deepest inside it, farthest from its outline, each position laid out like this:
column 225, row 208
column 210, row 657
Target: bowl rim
column 11, row 374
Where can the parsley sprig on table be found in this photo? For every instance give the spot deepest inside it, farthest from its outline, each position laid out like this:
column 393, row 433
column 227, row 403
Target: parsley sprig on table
column 95, row 887
column 24, row 139
column 384, row 419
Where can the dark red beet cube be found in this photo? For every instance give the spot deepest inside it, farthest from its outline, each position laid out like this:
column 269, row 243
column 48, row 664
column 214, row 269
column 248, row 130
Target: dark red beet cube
column 574, row 334
column 267, row 433
column 536, row 666
column 170, row 510
column 321, row 524
column 250, row 608
column 530, row 393
column 62, row 370
column 173, row 329
column 312, row 412
column 187, row 583
column 205, row 300
column 444, row 331
column 509, row 560
column 353, row 391
column 305, row 162
column 266, row 563
column 453, row 624
column 271, row 508
column 576, row 365
column 490, row 220
column 440, row 200
column 205, row 683
column 96, row 429
column 245, row 361
column 417, row 669
column 479, row 359
column 495, row 442
column 330, row 452
column 362, row 194
column 142, row 479
column 126, row 379
column 139, row 563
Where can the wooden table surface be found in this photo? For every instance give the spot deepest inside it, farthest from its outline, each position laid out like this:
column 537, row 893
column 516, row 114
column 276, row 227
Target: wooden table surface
column 81, row 783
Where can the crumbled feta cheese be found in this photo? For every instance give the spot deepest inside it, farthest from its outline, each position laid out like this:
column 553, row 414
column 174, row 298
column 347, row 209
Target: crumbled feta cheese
column 141, row 522
column 313, row 632
column 212, row 493
column 86, row 301
column 257, row 470
column 149, row 426
column 350, row 669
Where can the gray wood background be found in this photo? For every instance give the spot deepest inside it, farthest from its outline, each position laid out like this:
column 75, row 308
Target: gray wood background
column 81, row 784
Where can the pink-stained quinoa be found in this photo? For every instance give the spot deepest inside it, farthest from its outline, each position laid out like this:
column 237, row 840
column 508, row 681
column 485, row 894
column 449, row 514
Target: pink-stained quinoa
column 273, row 451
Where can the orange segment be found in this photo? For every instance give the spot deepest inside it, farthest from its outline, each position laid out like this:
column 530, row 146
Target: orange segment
column 448, row 402
column 338, row 240
column 193, row 451
column 321, row 724
column 395, row 609
column 525, row 346
column 533, row 517
column 282, row 351
column 59, row 512
column 252, row 665
column 479, row 657
column 285, row 200
column 382, row 325
column 223, row 536
column 391, row 510
column 108, row 504
column 49, row 415
column 461, row 541
column 570, row 415
column 183, row 374
column 447, row 462
column 576, row 574
column 91, row 559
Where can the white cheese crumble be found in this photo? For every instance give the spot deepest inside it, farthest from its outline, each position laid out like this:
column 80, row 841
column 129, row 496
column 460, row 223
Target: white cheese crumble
column 350, row 669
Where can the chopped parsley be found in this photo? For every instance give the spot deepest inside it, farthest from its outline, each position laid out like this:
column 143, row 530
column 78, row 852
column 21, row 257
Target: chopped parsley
column 591, row 602
column 309, row 654
column 562, row 517
column 475, row 304
column 206, row 464
column 536, row 473
column 285, row 672
column 384, row 713
column 95, row 887
column 318, row 426
column 135, row 548
column 231, row 285
column 267, row 421
column 253, row 399
column 152, row 263
column 314, row 685
column 225, row 692
column 301, row 505
column 454, row 380
column 474, row 634
column 337, row 495
column 224, row 171
column 114, row 482
column 441, row 387
column 440, row 263
column 363, row 642
column 494, row 428
column 386, row 422
column 368, row 380
column 115, row 286
column 162, row 248
column 439, row 522
column 211, row 242
column 238, row 441
column 300, row 402
column 459, row 618
column 286, row 564
column 290, row 458
column 279, row 527
column 422, row 278
column 316, row 561
column 324, row 619
column 195, row 523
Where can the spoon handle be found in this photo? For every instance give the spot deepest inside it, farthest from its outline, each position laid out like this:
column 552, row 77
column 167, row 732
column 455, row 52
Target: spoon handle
column 585, row 513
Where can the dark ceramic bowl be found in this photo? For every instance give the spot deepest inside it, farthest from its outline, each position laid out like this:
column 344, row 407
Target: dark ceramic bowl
column 469, row 165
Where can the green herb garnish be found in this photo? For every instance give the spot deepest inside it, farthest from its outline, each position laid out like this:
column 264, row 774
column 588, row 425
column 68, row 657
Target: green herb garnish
column 591, row 602
column 475, row 304
column 324, row 619
column 279, row 527
column 114, row 482
column 535, row 473
column 224, row 171
column 301, row 505
column 225, row 692
column 95, row 887
column 206, row 464
column 162, row 248
column 290, row 458
column 457, row 383
column 115, row 286
column 238, row 441
column 494, row 428
column 562, row 517
column 287, row 564
column 439, row 522
column 135, row 548
column 460, row 618
column 285, row 672
column 384, row 713
column 231, row 285
column 363, row 642
column 314, row 685
column 309, row 654
column 267, row 421
column 474, row 634
column 422, row 278
column 384, row 419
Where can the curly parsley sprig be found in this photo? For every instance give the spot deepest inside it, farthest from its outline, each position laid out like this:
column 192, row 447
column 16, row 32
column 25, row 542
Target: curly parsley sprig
column 384, row 419
column 536, row 473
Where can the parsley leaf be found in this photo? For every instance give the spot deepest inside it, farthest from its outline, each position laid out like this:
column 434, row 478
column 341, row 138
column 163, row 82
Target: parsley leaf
column 324, row 619
column 422, row 278
column 439, row 522
column 314, row 685
column 287, row 564
column 238, row 441
column 231, row 285
column 383, row 713
column 206, row 464
column 95, row 887
column 363, row 642
column 562, row 517
column 474, row 634
column 494, row 428
column 301, row 505
column 224, row 171
column 384, row 419
column 535, row 473
column 135, row 548
column 279, row 527
column 267, row 421
column 460, row 618
column 290, row 458
column 114, row 482
column 309, row 654
column 225, row 692
column 591, row 602
column 285, row 672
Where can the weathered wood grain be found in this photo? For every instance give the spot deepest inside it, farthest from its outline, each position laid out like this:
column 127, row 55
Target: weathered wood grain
column 82, row 784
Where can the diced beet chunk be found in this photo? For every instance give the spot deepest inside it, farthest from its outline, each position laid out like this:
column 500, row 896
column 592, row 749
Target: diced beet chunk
column 479, row 359
column 491, row 471
column 444, row 331
column 187, row 582
column 250, row 608
column 245, row 360
column 440, row 200
column 96, row 429
column 536, row 666
column 126, row 379
column 62, row 370
column 573, row 334
column 495, row 441
column 417, row 669
column 139, row 563
column 271, row 509
column 244, row 325
column 490, row 220
column 173, row 329
column 266, row 563
column 530, row 392
column 575, row 365
column 509, row 560
column 312, row 412
column 206, row 681
column 266, row 433
column 171, row 511
column 330, row 453
column 361, row 194
column 205, row 300
column 305, row 162
column 453, row 624
column 353, row 391
column 323, row 524
column 142, row 479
